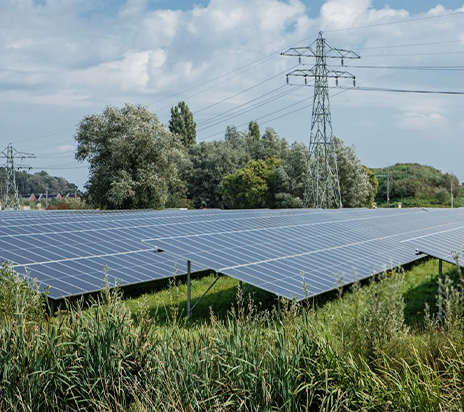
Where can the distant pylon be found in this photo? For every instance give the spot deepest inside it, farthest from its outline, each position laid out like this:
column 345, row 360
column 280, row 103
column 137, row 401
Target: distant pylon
column 322, row 186
column 11, row 199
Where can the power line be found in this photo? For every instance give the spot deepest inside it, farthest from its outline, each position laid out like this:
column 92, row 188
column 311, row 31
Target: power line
column 411, row 45
column 431, row 68
column 396, row 22
column 211, row 87
column 411, row 54
column 274, row 118
column 249, row 109
column 43, row 136
column 243, row 91
column 208, row 120
column 379, row 89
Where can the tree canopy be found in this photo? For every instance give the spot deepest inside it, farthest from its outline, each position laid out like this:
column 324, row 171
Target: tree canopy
column 251, row 186
column 133, row 158
column 182, row 124
column 39, row 182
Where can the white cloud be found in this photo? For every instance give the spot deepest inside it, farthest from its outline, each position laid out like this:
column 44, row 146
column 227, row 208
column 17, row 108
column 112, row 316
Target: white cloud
column 65, row 148
column 66, row 59
column 420, row 121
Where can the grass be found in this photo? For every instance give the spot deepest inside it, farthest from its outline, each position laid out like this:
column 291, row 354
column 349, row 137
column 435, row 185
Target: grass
column 376, row 347
column 418, row 289
column 172, row 300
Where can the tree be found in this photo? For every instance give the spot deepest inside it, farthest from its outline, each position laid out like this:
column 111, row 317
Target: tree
column 205, row 167
column 374, row 182
column 250, row 187
column 133, row 158
column 355, row 188
column 269, row 145
column 182, row 123
column 253, row 131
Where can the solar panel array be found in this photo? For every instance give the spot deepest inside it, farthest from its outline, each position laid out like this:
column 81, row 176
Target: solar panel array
column 71, row 253
column 446, row 244
column 292, row 253
column 302, row 254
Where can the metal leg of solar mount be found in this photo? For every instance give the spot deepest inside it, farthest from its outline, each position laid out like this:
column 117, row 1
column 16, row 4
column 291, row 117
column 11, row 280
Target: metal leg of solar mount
column 189, row 297
column 440, row 290
column 207, row 290
column 278, row 306
column 52, row 306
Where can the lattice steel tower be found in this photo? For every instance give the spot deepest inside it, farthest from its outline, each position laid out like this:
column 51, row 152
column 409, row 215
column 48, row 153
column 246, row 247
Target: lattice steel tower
column 11, row 196
column 322, row 188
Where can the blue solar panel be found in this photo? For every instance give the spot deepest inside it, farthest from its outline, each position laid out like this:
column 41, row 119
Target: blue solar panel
column 304, row 254
column 447, row 244
column 292, row 253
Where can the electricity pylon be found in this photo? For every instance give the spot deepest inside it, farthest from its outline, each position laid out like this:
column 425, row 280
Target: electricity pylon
column 322, row 186
column 11, row 199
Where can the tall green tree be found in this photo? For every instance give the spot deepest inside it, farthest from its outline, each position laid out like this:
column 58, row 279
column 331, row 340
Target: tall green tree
column 355, row 187
column 133, row 158
column 205, row 167
column 253, row 131
column 374, row 182
column 182, row 124
column 250, row 187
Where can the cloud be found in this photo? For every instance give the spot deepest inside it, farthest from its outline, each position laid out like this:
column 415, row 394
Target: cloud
column 420, row 121
column 65, row 148
column 65, row 59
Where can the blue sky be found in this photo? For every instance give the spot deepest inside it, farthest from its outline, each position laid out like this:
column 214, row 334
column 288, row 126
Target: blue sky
column 62, row 59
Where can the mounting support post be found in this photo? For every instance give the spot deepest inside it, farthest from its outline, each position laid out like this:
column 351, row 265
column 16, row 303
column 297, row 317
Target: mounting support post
column 440, row 290
column 189, row 286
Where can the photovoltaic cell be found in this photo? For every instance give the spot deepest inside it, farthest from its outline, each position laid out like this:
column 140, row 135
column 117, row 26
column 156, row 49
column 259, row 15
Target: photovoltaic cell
column 447, row 245
column 305, row 255
column 292, row 253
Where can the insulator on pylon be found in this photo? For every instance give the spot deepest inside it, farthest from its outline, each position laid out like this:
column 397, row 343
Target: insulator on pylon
column 354, row 82
column 306, row 80
column 336, row 81
column 287, row 79
column 342, row 62
column 299, row 60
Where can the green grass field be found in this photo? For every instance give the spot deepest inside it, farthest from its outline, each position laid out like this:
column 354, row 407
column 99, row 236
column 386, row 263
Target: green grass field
column 371, row 347
column 419, row 288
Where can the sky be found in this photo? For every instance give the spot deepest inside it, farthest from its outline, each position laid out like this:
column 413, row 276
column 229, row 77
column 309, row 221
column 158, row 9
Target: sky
column 61, row 60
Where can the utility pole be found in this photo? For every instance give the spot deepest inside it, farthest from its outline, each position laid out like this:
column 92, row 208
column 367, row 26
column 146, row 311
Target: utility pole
column 322, row 186
column 11, row 199
column 388, row 186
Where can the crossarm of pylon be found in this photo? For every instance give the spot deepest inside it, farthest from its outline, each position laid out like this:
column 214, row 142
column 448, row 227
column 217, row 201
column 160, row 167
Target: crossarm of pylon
column 312, row 73
column 341, row 53
column 307, row 51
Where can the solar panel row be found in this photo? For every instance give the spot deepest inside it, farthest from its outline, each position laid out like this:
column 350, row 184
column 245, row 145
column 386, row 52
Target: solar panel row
column 292, row 253
column 301, row 257
column 446, row 245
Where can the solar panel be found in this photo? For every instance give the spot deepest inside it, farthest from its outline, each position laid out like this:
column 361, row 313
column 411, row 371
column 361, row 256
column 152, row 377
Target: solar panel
column 301, row 254
column 292, row 253
column 71, row 253
column 447, row 245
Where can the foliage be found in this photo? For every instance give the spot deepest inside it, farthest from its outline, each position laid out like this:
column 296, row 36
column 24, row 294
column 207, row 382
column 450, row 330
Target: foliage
column 133, row 158
column 355, row 188
column 270, row 145
column 418, row 185
column 38, row 183
column 354, row 353
column 205, row 167
column 251, row 186
column 374, row 182
column 182, row 124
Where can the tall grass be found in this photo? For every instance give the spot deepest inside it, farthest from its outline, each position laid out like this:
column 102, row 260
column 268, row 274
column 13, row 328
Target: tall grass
column 356, row 357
